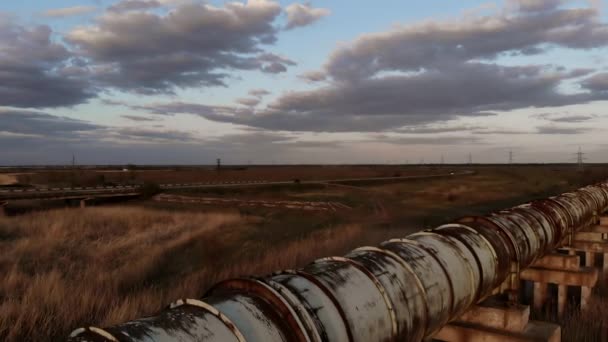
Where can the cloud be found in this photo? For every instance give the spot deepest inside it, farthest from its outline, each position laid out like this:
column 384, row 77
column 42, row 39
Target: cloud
column 389, row 103
column 433, row 45
column 299, row 15
column 44, row 126
column 567, row 118
column 428, row 140
column 561, row 130
column 598, row 82
column 313, row 76
column 69, row 11
column 35, row 71
column 23, row 122
column 437, row 129
column 134, row 5
column 138, row 118
column 193, row 45
column 535, row 5
column 502, row 132
column 152, row 136
column 249, row 101
column 259, row 93
column 41, row 138
column 436, row 71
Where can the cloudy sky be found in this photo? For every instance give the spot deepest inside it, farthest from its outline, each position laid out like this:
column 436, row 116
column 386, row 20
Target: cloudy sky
column 261, row 81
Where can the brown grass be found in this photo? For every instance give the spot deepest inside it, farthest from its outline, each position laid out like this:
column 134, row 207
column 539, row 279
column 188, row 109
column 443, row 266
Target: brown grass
column 587, row 326
column 67, row 268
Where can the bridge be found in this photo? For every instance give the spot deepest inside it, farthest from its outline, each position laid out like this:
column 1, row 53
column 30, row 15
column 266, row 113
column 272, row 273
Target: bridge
column 461, row 281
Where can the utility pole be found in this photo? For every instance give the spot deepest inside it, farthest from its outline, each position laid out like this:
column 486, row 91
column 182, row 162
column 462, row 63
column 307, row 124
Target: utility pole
column 219, row 164
column 73, row 160
column 442, row 160
column 510, row 157
column 470, row 159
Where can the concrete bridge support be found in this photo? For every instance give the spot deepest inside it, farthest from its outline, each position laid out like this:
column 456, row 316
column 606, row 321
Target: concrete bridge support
column 86, row 202
column 565, row 272
column 494, row 320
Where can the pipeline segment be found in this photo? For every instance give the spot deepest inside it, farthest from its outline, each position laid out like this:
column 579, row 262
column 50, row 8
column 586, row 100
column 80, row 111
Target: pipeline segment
column 403, row 290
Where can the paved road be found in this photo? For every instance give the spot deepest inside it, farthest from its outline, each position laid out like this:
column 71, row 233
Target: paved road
column 54, row 192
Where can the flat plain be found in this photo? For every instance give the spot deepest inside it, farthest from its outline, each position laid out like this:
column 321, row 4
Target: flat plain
column 62, row 267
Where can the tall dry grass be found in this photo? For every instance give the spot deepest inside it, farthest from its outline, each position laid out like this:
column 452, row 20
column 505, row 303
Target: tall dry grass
column 590, row 325
column 67, row 268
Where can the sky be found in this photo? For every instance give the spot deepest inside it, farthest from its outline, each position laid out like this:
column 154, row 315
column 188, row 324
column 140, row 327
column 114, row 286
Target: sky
column 289, row 82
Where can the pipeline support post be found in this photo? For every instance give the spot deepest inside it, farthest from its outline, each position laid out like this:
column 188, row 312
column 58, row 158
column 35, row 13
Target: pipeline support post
column 594, row 241
column 540, row 295
column 564, row 271
column 494, row 320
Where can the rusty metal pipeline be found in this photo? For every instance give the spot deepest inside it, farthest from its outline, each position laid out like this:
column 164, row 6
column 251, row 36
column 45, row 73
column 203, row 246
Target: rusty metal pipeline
column 403, row 290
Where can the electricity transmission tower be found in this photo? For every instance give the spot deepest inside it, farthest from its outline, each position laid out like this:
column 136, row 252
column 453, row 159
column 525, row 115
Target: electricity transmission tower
column 580, row 158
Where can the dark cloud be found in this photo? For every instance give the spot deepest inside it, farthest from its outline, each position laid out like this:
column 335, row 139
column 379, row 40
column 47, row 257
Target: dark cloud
column 138, row 118
column 133, row 5
column 249, row 101
column 437, row 129
column 150, row 135
column 40, row 138
column 570, row 118
column 395, row 101
column 598, row 82
column 561, row 130
column 299, row 15
column 195, row 44
column 24, row 122
column 259, row 92
column 63, row 129
column 501, row 132
column 428, row 140
column 254, row 138
column 35, row 71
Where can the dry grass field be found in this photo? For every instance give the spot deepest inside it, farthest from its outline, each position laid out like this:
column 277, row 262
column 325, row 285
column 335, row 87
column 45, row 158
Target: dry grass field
column 64, row 268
